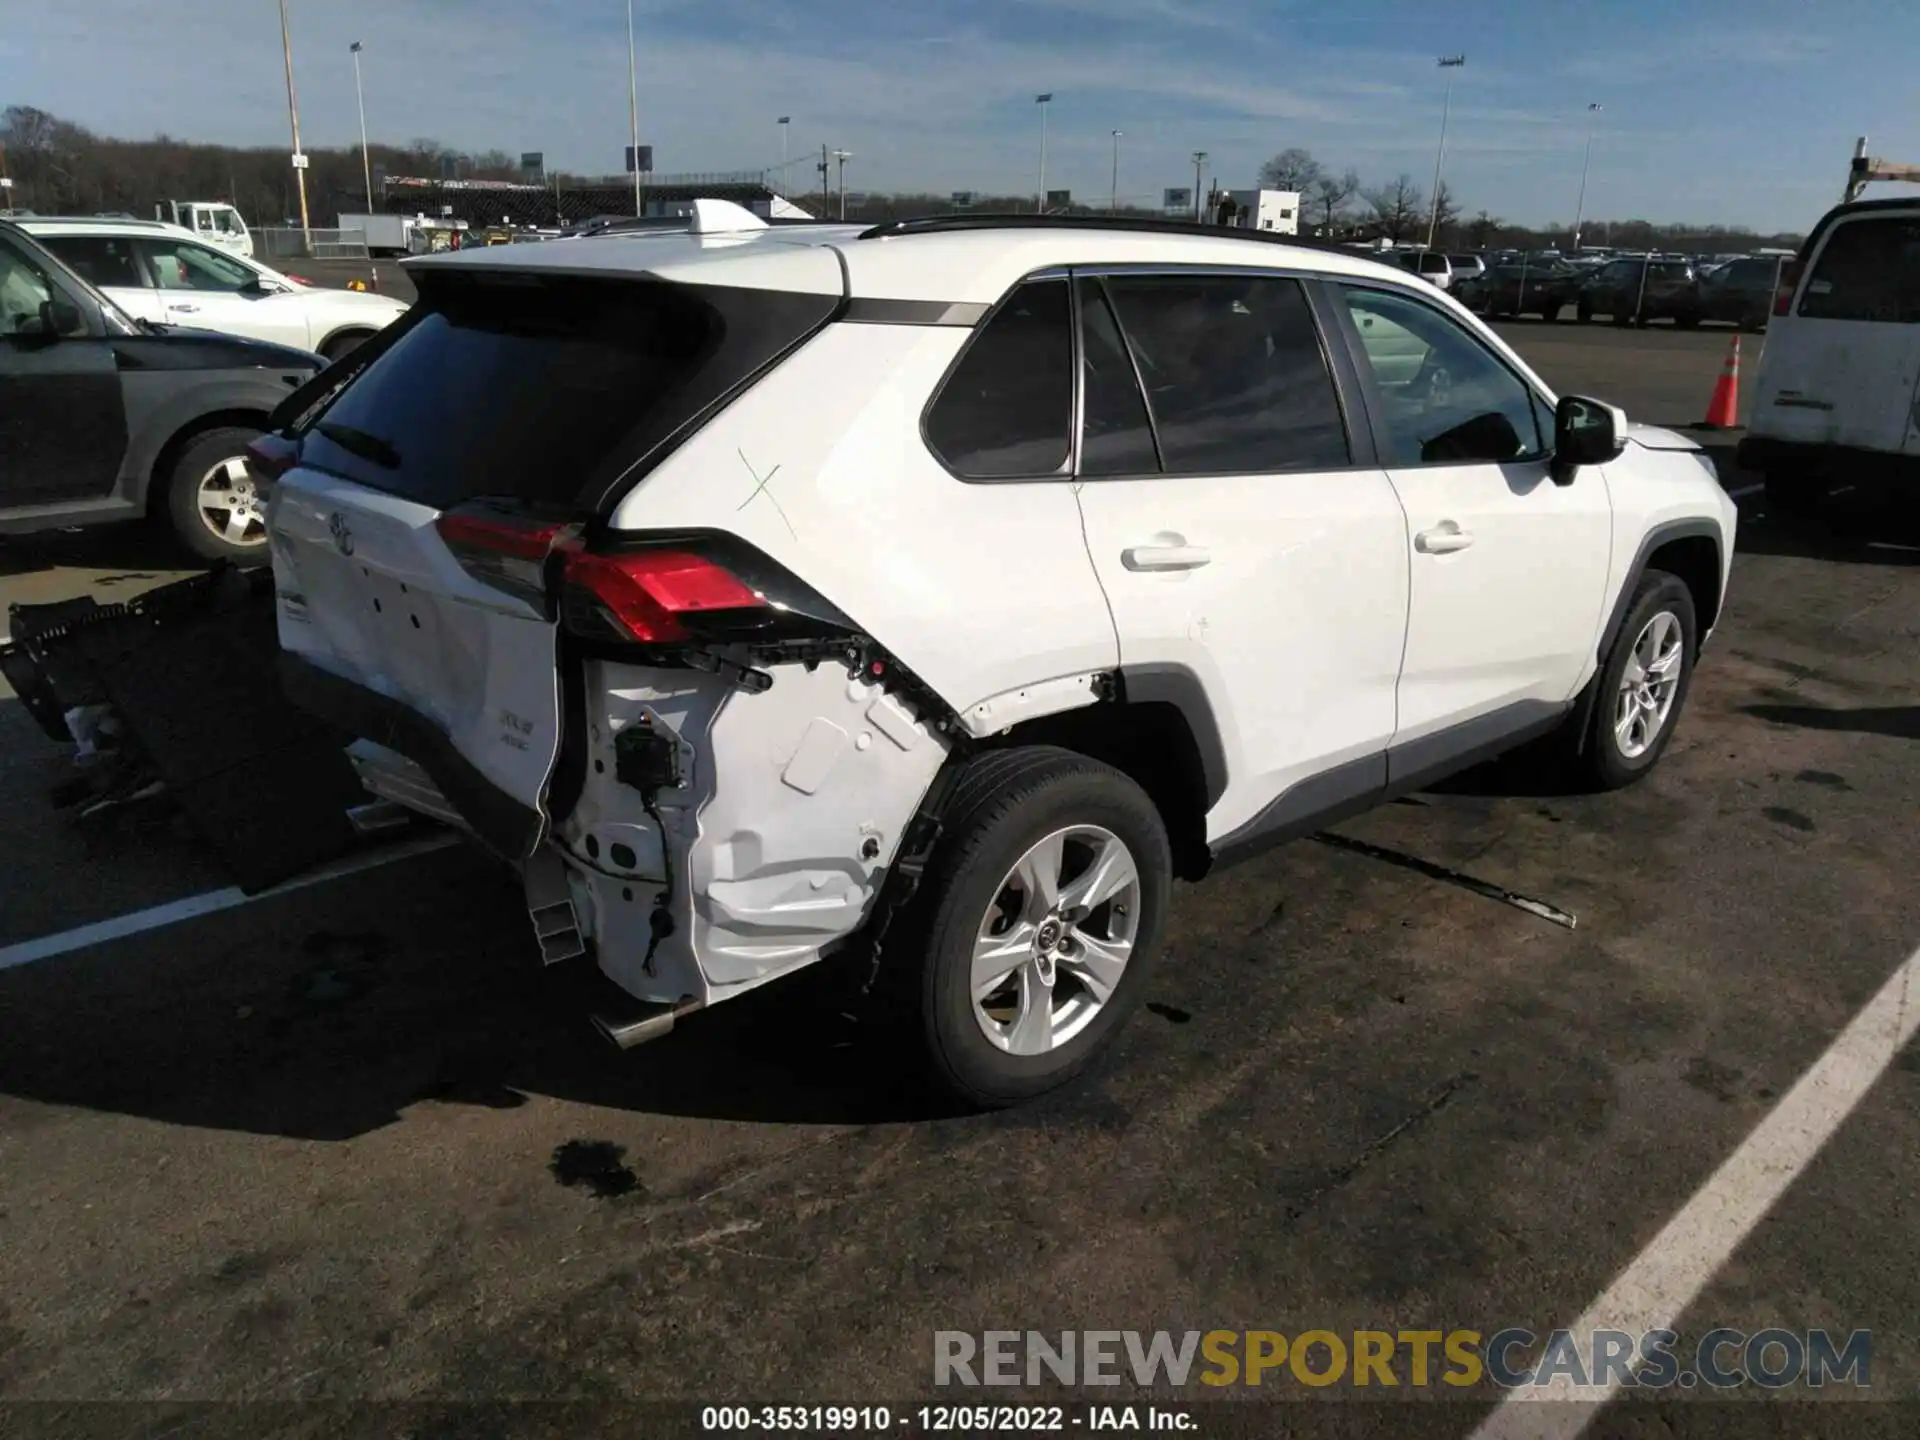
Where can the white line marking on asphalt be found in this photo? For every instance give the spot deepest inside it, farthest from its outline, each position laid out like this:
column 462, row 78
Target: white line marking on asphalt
column 1746, row 490
column 1665, row 1278
column 210, row 902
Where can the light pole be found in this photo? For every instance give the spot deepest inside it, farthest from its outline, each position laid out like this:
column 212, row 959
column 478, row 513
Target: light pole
column 783, row 122
column 633, row 111
column 1113, row 197
column 1040, row 196
column 1580, row 205
column 1199, row 164
column 360, row 98
column 1449, row 63
column 843, row 156
column 293, row 115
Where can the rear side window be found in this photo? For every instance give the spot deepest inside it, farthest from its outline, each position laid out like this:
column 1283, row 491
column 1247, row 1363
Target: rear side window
column 542, row 389
column 1235, row 374
column 1868, row 270
column 1116, row 435
column 103, row 260
column 1433, row 264
column 1006, row 410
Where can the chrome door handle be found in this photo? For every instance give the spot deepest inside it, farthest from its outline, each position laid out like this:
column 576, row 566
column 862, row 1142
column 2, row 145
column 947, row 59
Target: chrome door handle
column 184, row 309
column 1443, row 539
column 1164, row 557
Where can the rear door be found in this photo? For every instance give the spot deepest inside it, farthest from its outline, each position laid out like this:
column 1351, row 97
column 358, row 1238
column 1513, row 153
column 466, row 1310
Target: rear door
column 1241, row 537
column 109, row 263
column 1844, row 369
column 410, row 540
column 63, row 422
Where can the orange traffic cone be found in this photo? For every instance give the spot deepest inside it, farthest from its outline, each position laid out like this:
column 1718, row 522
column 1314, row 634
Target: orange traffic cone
column 1723, row 410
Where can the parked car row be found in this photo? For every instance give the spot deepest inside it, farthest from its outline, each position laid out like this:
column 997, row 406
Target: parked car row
column 1632, row 289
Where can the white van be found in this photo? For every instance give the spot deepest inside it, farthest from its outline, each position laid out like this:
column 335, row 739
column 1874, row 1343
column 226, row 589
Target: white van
column 1838, row 394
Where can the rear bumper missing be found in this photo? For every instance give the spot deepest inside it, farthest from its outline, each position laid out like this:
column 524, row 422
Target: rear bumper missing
column 501, row 823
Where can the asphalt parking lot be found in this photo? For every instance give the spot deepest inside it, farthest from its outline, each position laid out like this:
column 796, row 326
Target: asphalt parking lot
column 352, row 1144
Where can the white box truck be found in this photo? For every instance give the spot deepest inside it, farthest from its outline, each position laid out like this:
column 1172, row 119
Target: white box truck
column 1275, row 210
column 386, row 234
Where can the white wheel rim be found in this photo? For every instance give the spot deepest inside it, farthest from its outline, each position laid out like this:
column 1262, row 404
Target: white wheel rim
column 229, row 505
column 1053, row 946
column 1648, row 685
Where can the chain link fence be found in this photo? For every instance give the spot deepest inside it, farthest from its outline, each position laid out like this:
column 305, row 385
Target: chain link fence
column 279, row 243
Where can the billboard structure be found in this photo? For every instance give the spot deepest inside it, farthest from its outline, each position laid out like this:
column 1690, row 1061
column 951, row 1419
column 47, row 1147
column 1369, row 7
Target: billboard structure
column 646, row 160
column 1177, row 199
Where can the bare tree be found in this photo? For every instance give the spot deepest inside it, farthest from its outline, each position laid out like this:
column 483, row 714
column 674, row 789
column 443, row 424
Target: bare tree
column 1400, row 207
column 1483, row 229
column 1293, row 169
column 1331, row 194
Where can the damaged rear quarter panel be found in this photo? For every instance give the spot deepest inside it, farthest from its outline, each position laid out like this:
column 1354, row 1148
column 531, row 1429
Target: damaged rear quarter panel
column 978, row 589
column 790, row 808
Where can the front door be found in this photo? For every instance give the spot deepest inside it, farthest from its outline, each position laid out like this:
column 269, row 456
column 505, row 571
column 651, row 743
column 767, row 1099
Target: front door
column 211, row 290
column 1236, row 537
column 63, row 425
column 109, row 264
column 1509, row 570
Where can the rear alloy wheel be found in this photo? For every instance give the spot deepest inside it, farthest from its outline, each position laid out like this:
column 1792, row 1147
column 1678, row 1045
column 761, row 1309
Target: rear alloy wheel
column 1037, row 923
column 1642, row 686
column 217, row 511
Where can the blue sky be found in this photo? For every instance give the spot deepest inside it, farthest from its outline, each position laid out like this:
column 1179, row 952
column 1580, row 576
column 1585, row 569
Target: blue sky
column 1713, row 110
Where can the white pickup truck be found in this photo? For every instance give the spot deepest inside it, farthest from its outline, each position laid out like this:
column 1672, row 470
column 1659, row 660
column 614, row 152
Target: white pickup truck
column 213, row 221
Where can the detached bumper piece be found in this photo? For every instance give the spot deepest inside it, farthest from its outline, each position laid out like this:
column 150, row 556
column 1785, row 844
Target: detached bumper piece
column 172, row 699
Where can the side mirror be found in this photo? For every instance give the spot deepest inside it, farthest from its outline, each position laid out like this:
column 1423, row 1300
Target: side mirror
column 259, row 286
column 57, row 318
column 1585, row 432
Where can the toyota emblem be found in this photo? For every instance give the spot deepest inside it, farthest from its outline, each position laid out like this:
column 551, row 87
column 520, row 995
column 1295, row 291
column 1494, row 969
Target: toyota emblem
column 342, row 535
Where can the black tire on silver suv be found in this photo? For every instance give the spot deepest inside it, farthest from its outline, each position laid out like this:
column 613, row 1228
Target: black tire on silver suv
column 212, row 504
column 1642, row 685
column 1033, row 934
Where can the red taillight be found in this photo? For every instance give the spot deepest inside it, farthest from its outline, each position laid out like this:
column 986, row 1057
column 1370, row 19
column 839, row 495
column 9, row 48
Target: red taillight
column 1783, row 293
column 503, row 551
column 645, row 594
column 271, row 456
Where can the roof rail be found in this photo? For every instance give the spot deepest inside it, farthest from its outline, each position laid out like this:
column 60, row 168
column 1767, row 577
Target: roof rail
column 1147, row 225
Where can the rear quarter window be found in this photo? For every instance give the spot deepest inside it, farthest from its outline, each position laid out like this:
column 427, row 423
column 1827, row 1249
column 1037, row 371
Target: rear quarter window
column 1868, row 270
column 543, row 390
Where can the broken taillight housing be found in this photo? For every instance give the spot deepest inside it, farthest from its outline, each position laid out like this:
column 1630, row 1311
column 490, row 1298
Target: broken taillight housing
column 502, row 549
column 1783, row 292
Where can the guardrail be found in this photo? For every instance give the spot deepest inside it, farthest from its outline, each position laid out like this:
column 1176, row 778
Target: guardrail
column 286, row 244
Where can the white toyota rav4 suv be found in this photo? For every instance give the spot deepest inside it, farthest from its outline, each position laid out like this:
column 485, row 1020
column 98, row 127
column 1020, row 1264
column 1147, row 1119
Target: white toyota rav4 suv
column 942, row 592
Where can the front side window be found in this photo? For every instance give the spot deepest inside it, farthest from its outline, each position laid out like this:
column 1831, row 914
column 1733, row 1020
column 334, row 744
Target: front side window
column 182, row 265
column 102, row 260
column 1235, row 374
column 1006, row 410
column 1869, row 270
column 1448, row 400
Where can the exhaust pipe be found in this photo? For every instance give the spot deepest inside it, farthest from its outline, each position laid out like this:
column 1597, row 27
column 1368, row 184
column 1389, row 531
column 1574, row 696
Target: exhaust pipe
column 649, row 1022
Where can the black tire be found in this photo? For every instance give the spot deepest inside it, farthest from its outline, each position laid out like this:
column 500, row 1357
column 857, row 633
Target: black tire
column 1603, row 762
column 340, row 346
column 194, row 463
column 1687, row 322
column 1583, row 312
column 1794, row 492
column 1004, row 803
